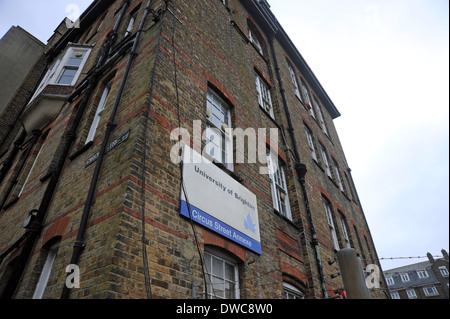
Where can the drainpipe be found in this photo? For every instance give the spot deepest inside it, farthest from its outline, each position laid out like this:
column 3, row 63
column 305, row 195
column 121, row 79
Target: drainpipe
column 35, row 227
column 79, row 242
column 301, row 170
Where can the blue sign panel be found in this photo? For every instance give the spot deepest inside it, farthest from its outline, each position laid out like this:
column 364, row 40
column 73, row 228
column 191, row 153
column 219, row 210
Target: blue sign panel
column 223, row 229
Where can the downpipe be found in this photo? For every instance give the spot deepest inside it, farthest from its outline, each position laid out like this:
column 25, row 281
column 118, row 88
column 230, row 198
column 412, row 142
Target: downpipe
column 35, row 228
column 301, row 171
column 79, row 242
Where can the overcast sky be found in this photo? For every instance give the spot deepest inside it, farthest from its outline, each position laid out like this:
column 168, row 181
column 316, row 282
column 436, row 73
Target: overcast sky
column 385, row 65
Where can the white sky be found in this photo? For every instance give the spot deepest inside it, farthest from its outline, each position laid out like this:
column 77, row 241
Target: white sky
column 385, row 65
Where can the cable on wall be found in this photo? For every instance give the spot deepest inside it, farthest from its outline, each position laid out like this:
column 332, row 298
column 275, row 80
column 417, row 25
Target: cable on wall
column 183, row 186
column 148, row 285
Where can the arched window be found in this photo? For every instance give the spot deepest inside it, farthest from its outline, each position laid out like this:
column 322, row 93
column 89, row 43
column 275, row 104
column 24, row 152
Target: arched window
column 222, row 275
column 255, row 37
column 293, row 290
column 51, row 252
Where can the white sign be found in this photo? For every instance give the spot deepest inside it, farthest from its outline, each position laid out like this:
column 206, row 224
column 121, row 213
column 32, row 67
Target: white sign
column 218, row 202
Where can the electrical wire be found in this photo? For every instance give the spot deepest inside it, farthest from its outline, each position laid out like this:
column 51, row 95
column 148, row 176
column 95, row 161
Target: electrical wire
column 183, row 186
column 148, row 284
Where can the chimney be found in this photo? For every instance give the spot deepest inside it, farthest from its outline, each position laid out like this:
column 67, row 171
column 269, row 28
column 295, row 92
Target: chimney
column 445, row 254
column 430, row 258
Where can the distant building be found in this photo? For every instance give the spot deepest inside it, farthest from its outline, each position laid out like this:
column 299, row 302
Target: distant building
column 424, row 280
column 21, row 62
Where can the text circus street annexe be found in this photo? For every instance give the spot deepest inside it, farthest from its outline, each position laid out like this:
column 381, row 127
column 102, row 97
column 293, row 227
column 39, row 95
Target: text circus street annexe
column 91, row 168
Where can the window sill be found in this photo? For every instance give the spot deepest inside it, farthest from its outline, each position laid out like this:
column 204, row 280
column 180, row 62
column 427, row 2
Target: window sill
column 285, row 219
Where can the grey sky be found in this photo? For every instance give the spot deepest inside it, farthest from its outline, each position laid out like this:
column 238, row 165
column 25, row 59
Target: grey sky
column 385, row 64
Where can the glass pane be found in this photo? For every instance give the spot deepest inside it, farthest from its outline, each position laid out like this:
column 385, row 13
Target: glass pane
column 67, row 76
column 218, row 267
column 208, row 263
column 229, row 290
column 76, row 58
column 218, row 287
column 229, row 272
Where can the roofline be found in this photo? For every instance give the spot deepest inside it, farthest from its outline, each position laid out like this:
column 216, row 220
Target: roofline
column 269, row 23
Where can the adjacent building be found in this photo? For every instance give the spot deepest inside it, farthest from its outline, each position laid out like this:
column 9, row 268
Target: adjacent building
column 177, row 149
column 424, row 280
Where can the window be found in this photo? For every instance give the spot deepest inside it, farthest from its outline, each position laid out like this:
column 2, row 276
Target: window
column 308, row 99
column 221, row 276
column 309, row 137
column 292, row 292
column 31, row 171
column 329, row 215
column 66, row 69
column 338, row 175
column 390, row 281
column 422, row 274
column 344, row 230
column 404, row 277
column 430, row 291
column 133, row 16
column 319, row 112
column 219, row 141
column 254, row 39
column 264, row 97
column 444, row 271
column 325, row 159
column 278, row 185
column 294, row 81
column 46, row 271
column 395, row 295
column 411, row 293
column 98, row 113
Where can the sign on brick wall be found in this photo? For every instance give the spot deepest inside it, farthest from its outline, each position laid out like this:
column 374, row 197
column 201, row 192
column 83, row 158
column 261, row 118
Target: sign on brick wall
column 218, row 202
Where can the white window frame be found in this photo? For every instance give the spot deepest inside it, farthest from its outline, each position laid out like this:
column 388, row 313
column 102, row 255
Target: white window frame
column 395, row 295
column 411, row 293
column 404, row 277
column 264, row 96
column 444, row 271
column 338, row 175
column 390, row 281
column 294, row 81
column 278, row 185
column 254, row 39
column 215, row 280
column 219, row 126
column 325, row 159
column 56, row 70
column 422, row 274
column 46, row 271
column 344, row 231
column 330, row 221
column 292, row 292
column 309, row 137
column 307, row 98
column 31, row 170
column 98, row 113
column 430, row 291
column 321, row 118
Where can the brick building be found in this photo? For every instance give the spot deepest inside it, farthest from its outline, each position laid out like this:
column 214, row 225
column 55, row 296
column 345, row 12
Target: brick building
column 92, row 183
